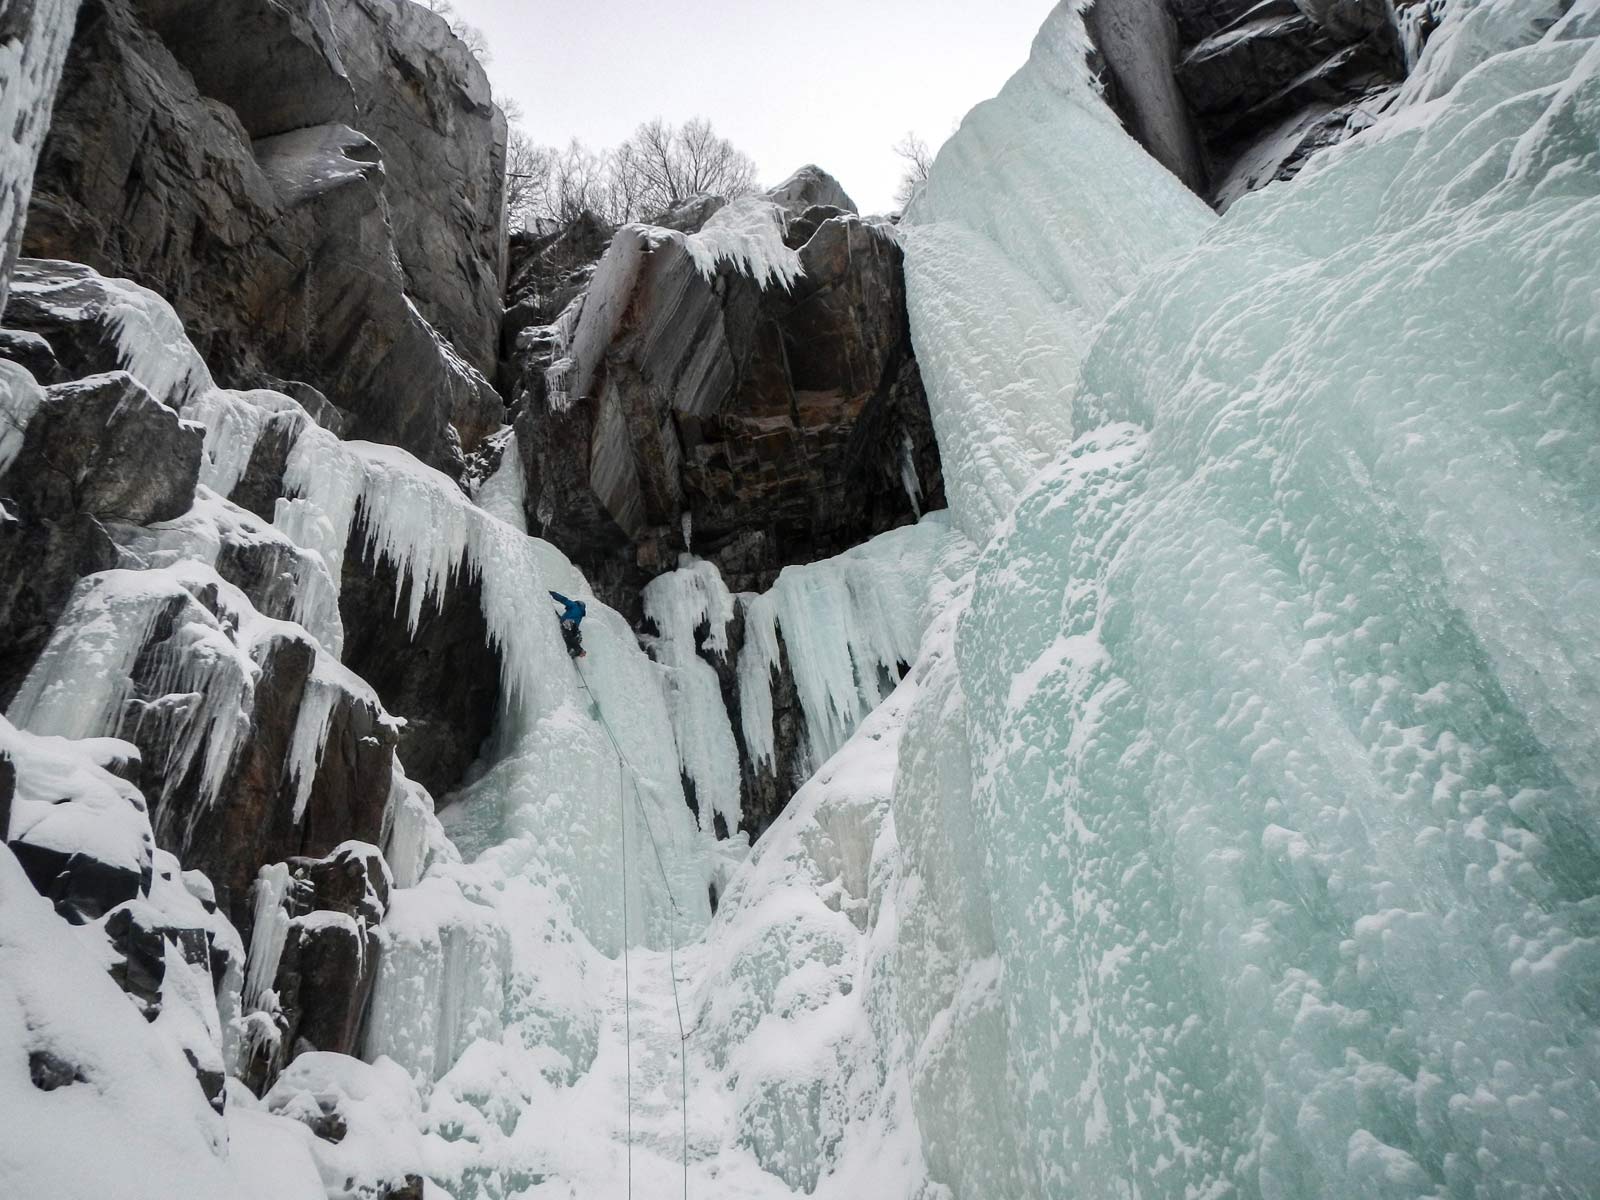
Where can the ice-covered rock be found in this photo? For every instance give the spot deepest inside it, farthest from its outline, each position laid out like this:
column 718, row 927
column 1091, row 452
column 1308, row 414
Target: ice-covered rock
column 314, row 958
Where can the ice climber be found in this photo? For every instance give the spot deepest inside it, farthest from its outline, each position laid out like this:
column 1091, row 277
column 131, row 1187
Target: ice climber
column 572, row 614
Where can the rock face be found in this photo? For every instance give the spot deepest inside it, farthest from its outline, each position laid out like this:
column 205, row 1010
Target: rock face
column 326, row 228
column 34, row 36
column 1232, row 94
column 767, row 424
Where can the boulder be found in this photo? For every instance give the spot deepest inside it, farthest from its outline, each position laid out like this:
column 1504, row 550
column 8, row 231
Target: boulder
column 808, row 187
column 32, row 352
column 104, row 447
column 278, row 248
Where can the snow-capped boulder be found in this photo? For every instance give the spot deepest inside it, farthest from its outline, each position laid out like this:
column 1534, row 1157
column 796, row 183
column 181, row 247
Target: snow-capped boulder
column 79, row 828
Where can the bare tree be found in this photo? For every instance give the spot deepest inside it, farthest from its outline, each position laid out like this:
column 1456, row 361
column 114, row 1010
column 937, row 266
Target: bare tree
column 529, row 168
column 662, row 165
column 918, row 162
column 659, row 166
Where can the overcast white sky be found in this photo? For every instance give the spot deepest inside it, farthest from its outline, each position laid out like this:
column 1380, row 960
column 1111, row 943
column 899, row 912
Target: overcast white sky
column 836, row 82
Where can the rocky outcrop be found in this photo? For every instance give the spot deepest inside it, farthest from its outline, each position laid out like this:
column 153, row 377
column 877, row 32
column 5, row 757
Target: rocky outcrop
column 768, row 424
column 1138, row 45
column 424, row 99
column 809, row 187
column 96, row 449
column 34, row 34
column 269, row 218
column 330, row 908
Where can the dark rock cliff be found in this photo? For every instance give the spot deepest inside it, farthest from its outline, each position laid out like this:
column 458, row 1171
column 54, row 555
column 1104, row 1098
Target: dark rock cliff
column 318, row 195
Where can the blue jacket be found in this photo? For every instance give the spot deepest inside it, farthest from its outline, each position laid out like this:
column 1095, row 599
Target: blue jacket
column 571, row 610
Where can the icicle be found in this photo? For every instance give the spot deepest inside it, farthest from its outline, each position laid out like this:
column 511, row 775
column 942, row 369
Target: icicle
column 267, row 937
column 678, row 603
column 758, row 658
column 908, row 473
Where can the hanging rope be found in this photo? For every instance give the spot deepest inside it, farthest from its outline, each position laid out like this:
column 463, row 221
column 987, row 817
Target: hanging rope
column 672, row 940
column 627, row 983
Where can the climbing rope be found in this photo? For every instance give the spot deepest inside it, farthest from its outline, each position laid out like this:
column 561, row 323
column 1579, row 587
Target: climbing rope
column 672, row 940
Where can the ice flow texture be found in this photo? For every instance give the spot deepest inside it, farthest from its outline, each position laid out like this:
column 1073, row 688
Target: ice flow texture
column 1280, row 683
